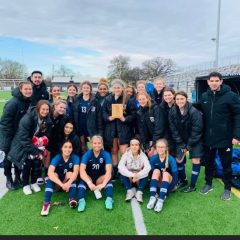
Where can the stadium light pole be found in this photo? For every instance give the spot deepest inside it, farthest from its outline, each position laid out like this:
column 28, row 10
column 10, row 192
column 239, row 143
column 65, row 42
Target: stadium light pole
column 217, row 36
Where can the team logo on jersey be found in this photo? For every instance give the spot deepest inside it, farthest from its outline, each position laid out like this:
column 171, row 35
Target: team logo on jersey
column 93, row 109
column 152, row 119
column 70, row 165
column 101, row 160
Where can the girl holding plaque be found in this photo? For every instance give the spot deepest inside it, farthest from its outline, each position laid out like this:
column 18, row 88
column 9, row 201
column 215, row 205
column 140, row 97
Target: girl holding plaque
column 118, row 114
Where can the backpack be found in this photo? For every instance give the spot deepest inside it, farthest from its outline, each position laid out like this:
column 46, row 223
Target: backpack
column 235, row 167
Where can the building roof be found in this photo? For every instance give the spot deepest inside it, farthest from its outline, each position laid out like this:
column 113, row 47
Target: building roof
column 75, row 79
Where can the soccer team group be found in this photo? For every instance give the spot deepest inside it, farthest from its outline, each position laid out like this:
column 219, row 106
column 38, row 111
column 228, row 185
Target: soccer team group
column 45, row 138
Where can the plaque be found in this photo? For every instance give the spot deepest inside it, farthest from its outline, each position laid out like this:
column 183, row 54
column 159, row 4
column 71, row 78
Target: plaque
column 117, row 110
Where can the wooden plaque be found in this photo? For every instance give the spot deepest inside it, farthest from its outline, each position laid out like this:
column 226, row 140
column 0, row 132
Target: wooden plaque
column 117, row 110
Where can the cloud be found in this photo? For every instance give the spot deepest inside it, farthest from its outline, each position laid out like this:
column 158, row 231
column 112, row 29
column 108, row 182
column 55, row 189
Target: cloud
column 90, row 33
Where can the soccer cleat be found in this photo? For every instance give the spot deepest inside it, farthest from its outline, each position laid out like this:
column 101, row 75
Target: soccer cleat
column 17, row 182
column 35, row 187
column 109, row 203
column 188, row 189
column 27, row 190
column 151, row 203
column 226, row 195
column 72, row 203
column 81, row 205
column 45, row 209
column 206, row 189
column 158, row 206
column 139, row 196
column 182, row 183
column 10, row 185
column 130, row 194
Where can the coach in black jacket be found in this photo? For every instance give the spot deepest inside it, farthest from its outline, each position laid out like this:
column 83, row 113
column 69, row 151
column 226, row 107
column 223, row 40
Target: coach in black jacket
column 39, row 87
column 13, row 111
column 221, row 111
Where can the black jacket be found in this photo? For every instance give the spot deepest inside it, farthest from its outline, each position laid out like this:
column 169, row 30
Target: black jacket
column 151, row 124
column 221, row 114
column 75, row 141
column 167, row 133
column 13, row 111
column 186, row 129
column 157, row 98
column 39, row 92
column 22, row 145
column 55, row 135
column 124, row 129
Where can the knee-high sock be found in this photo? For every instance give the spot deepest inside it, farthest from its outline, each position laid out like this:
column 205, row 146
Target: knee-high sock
column 49, row 190
column 195, row 174
column 82, row 187
column 153, row 187
column 72, row 190
column 163, row 190
column 181, row 171
column 109, row 189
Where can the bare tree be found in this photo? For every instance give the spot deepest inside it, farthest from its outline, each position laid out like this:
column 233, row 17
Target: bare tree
column 119, row 67
column 12, row 70
column 157, row 67
column 134, row 75
column 63, row 71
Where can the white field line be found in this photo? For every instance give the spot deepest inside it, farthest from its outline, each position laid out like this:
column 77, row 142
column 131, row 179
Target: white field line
column 138, row 217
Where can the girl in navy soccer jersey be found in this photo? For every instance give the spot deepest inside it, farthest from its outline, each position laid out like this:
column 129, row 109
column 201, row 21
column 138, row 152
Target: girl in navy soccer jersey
column 63, row 171
column 95, row 173
column 80, row 108
column 164, row 169
column 71, row 95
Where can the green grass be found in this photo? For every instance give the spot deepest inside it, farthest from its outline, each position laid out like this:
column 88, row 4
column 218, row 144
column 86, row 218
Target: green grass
column 20, row 215
column 194, row 214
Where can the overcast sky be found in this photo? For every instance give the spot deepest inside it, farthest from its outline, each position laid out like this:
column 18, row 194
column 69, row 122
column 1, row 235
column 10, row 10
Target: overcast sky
column 86, row 34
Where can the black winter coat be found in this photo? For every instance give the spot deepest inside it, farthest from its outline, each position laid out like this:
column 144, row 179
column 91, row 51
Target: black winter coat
column 124, row 129
column 186, row 129
column 39, row 92
column 151, row 124
column 157, row 98
column 22, row 145
column 55, row 135
column 13, row 111
column 167, row 134
column 221, row 114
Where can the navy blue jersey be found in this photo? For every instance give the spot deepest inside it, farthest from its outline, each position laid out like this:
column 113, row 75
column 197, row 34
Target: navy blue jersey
column 82, row 116
column 96, row 166
column 62, row 167
column 172, row 167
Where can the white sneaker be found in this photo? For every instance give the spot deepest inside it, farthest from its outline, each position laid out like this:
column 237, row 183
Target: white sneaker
column 35, row 187
column 27, row 190
column 151, row 203
column 130, row 194
column 45, row 209
column 40, row 181
column 159, row 205
column 139, row 196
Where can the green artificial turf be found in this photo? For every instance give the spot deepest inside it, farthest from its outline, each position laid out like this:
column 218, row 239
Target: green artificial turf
column 193, row 213
column 20, row 215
